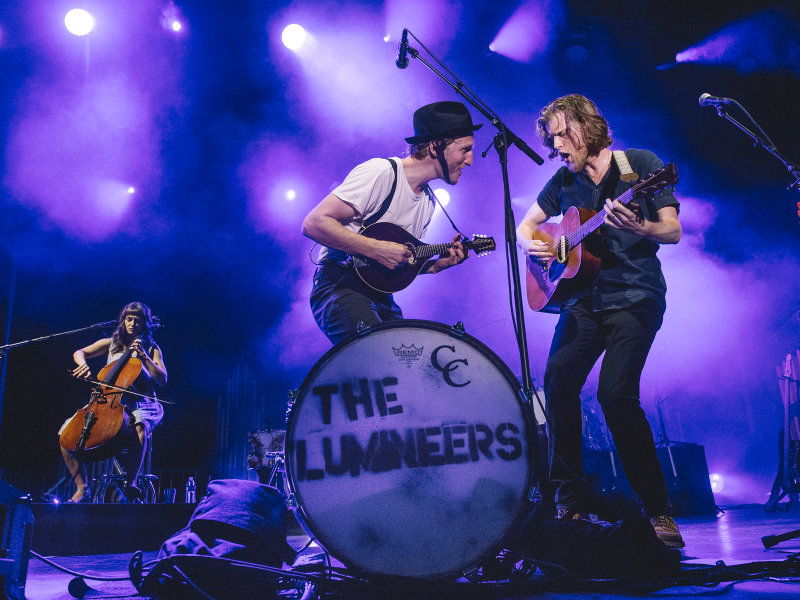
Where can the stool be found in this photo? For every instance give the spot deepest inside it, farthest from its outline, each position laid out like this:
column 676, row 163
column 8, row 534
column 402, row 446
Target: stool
column 115, row 476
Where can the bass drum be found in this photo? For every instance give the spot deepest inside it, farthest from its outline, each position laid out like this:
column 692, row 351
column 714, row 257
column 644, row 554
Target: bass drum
column 408, row 451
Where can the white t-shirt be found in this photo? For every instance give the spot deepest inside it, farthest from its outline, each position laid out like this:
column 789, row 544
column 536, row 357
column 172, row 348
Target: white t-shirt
column 366, row 187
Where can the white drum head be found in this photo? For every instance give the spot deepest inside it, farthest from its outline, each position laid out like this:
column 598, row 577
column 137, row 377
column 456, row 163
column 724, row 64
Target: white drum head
column 407, row 451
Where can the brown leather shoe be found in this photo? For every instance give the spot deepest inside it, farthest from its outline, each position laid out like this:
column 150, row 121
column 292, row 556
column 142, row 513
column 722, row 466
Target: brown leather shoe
column 667, row 531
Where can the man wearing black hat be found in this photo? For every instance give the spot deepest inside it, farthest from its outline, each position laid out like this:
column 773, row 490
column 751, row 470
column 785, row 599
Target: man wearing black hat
column 385, row 190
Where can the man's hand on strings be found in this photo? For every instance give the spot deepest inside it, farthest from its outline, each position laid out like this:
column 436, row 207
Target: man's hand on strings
column 391, row 254
column 540, row 252
column 456, row 254
column 622, row 217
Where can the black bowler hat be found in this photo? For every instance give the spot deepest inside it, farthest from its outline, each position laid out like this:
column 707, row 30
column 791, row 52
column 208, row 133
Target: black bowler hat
column 441, row 120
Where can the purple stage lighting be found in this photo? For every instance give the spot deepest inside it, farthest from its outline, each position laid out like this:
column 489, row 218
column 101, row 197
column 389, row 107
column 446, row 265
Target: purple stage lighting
column 528, row 31
column 79, row 22
column 717, row 482
column 293, row 36
column 714, row 49
column 171, row 19
column 763, row 41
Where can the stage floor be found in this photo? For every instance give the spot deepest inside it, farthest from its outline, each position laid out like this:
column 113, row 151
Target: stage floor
column 733, row 537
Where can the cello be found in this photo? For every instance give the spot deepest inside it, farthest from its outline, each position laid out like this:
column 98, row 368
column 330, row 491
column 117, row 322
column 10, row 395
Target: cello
column 96, row 431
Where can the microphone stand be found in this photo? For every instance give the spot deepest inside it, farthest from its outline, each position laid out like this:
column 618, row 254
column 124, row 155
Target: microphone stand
column 5, row 348
column 502, row 140
column 763, row 141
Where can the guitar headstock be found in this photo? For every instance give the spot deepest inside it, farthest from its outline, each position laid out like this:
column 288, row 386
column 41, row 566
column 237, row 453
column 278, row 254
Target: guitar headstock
column 665, row 177
column 480, row 244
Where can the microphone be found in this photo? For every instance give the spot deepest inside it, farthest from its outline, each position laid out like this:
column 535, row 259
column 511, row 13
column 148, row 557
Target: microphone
column 103, row 325
column 402, row 53
column 709, row 100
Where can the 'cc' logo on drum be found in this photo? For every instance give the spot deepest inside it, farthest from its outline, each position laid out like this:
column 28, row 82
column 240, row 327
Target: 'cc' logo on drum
column 448, row 367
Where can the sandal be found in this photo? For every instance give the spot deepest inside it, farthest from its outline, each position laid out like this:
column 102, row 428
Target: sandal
column 81, row 496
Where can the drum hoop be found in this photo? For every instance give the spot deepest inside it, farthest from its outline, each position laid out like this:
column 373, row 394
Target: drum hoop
column 309, row 524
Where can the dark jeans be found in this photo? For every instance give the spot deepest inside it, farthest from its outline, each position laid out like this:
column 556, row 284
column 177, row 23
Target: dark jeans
column 339, row 300
column 580, row 338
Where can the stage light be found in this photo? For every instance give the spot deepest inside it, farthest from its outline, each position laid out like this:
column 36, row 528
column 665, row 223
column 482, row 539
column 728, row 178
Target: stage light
column 79, row 22
column 291, row 195
column 761, row 41
column 717, row 482
column 171, row 19
column 131, row 190
column 528, row 31
column 387, row 37
column 443, row 195
column 293, row 36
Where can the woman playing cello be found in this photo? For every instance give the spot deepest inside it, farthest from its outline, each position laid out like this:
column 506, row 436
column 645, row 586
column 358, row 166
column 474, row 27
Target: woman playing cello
column 133, row 334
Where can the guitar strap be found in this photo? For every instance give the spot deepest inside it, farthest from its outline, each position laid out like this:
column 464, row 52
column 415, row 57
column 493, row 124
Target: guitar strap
column 628, row 175
column 385, row 205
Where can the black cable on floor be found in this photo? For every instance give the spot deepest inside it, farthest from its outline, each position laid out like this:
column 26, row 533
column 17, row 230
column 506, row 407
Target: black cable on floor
column 76, row 573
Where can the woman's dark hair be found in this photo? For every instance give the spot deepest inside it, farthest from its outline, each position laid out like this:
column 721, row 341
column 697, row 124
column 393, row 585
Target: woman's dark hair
column 578, row 110
column 118, row 343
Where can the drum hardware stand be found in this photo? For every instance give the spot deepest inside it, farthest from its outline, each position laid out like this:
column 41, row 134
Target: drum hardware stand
column 663, row 441
column 501, row 142
column 278, row 470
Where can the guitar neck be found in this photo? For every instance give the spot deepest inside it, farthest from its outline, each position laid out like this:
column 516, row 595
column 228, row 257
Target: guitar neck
column 591, row 225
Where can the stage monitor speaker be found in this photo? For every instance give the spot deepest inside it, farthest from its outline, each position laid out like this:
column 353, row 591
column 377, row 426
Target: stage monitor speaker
column 688, row 482
column 15, row 541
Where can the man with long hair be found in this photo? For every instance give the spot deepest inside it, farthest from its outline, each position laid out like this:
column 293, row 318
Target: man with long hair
column 619, row 313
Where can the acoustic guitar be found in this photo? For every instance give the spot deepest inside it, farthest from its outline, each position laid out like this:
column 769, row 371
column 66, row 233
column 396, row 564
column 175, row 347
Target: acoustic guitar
column 383, row 279
column 575, row 267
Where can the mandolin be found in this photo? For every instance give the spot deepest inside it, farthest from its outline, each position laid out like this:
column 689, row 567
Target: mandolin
column 383, row 279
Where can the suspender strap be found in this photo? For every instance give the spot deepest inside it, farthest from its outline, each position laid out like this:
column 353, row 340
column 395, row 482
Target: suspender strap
column 385, row 206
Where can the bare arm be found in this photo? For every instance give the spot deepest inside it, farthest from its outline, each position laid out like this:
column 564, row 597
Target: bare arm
column 539, row 250
column 324, row 225
column 155, row 365
column 92, row 350
column 666, row 230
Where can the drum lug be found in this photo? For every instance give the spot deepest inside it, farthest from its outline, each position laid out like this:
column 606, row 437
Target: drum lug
column 362, row 327
column 458, row 328
column 291, row 503
column 534, row 494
